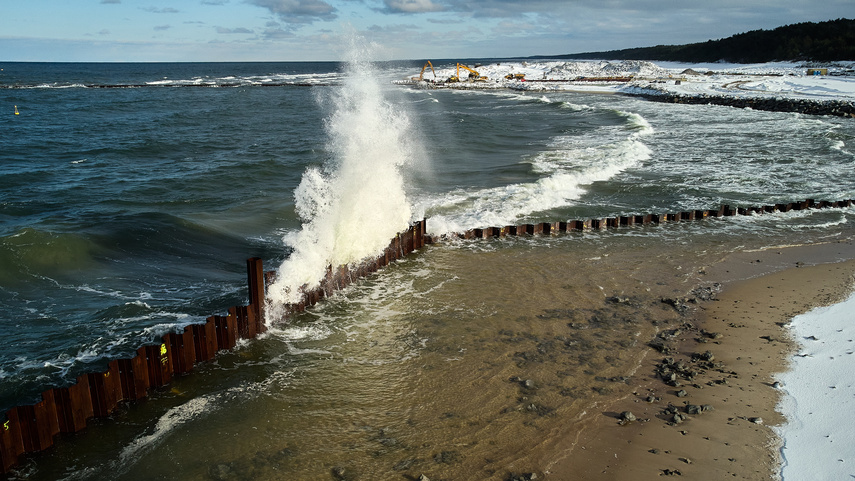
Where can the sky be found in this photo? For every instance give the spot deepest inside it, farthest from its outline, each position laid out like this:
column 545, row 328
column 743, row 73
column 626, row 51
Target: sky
column 306, row 30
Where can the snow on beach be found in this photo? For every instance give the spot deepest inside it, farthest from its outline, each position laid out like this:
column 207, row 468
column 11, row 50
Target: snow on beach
column 817, row 440
column 780, row 79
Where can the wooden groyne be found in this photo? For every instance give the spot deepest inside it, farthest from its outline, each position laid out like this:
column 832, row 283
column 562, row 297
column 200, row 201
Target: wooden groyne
column 66, row 410
column 547, row 228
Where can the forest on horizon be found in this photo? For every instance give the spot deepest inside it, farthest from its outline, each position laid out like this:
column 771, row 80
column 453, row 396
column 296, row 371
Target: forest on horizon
column 828, row 41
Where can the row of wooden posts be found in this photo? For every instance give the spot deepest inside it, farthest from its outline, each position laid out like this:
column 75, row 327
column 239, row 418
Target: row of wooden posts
column 32, row 428
column 547, row 228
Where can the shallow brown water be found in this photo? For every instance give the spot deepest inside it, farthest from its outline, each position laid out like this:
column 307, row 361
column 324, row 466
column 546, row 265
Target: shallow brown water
column 469, row 360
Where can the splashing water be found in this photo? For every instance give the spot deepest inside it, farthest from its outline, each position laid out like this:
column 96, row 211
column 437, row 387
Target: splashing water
column 356, row 203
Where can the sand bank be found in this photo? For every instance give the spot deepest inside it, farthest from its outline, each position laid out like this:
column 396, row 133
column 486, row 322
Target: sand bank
column 716, row 374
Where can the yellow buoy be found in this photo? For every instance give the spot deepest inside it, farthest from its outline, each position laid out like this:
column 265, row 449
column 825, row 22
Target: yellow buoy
column 16, row 110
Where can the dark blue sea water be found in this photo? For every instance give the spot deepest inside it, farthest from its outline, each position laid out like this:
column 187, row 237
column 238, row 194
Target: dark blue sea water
column 131, row 195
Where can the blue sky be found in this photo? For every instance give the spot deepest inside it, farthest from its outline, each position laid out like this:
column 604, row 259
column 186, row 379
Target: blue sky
column 294, row 30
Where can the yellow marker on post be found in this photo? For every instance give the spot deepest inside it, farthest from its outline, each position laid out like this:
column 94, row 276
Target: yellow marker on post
column 16, row 110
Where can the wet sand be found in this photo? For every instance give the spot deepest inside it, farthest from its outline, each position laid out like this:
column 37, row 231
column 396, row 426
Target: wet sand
column 723, row 361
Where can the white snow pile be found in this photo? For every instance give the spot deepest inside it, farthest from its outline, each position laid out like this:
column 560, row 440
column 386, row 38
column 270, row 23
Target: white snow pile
column 777, row 80
column 818, row 389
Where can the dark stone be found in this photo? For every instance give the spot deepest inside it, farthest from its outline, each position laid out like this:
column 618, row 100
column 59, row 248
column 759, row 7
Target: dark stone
column 522, row 477
column 404, row 465
column 448, row 457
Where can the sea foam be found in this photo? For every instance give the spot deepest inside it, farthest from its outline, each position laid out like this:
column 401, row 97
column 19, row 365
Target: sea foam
column 565, row 168
column 354, row 204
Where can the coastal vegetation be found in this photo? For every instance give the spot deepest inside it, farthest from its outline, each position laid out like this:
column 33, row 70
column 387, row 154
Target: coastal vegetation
column 808, row 41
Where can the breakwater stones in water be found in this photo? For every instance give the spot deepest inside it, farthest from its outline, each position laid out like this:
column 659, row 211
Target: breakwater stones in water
column 839, row 108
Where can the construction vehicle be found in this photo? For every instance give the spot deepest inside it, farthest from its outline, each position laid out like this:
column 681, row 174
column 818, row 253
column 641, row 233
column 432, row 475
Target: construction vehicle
column 515, row 76
column 421, row 76
column 473, row 75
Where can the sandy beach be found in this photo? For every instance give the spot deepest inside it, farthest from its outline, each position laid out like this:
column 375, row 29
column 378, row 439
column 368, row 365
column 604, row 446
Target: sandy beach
column 715, row 419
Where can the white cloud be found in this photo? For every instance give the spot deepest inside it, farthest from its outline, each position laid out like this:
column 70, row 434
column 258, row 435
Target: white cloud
column 160, row 10
column 412, row 6
column 298, row 11
column 233, row 30
column 277, row 33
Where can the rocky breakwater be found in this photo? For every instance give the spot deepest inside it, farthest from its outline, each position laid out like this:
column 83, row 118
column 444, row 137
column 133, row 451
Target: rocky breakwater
column 840, row 108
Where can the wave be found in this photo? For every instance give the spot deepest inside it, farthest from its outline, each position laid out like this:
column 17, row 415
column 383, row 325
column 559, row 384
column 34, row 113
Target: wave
column 565, row 169
column 357, row 202
column 31, row 252
column 276, row 80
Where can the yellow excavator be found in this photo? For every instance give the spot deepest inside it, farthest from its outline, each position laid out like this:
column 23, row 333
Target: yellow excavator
column 473, row 75
column 421, row 76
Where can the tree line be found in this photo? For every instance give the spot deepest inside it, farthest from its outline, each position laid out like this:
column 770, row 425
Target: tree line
column 817, row 41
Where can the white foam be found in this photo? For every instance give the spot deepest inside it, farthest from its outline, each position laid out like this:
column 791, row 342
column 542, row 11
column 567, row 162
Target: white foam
column 819, row 393
column 173, row 418
column 314, row 332
column 356, row 203
column 567, row 166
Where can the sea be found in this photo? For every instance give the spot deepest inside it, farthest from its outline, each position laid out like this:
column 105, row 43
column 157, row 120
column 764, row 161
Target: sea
column 133, row 193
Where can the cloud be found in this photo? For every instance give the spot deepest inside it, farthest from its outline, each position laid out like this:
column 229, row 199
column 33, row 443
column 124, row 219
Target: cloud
column 104, row 32
column 393, row 29
column 161, row 28
column 277, row 33
column 233, row 30
column 111, row 1
column 160, row 10
column 412, row 6
column 446, row 21
column 298, row 11
column 214, row 2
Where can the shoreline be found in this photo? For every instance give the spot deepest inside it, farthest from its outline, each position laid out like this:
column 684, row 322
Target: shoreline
column 705, row 405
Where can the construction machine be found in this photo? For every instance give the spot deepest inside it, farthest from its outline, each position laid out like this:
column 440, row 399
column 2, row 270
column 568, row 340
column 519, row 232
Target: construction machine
column 515, row 76
column 473, row 75
column 421, row 76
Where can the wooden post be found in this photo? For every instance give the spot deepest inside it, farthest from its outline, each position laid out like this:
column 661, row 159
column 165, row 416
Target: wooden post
column 159, row 364
column 133, row 376
column 105, row 390
column 11, row 441
column 255, row 281
column 205, row 340
column 74, row 406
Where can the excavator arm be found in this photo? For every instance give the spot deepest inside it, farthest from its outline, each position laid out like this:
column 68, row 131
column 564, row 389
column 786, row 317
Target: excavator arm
column 473, row 74
column 422, row 73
